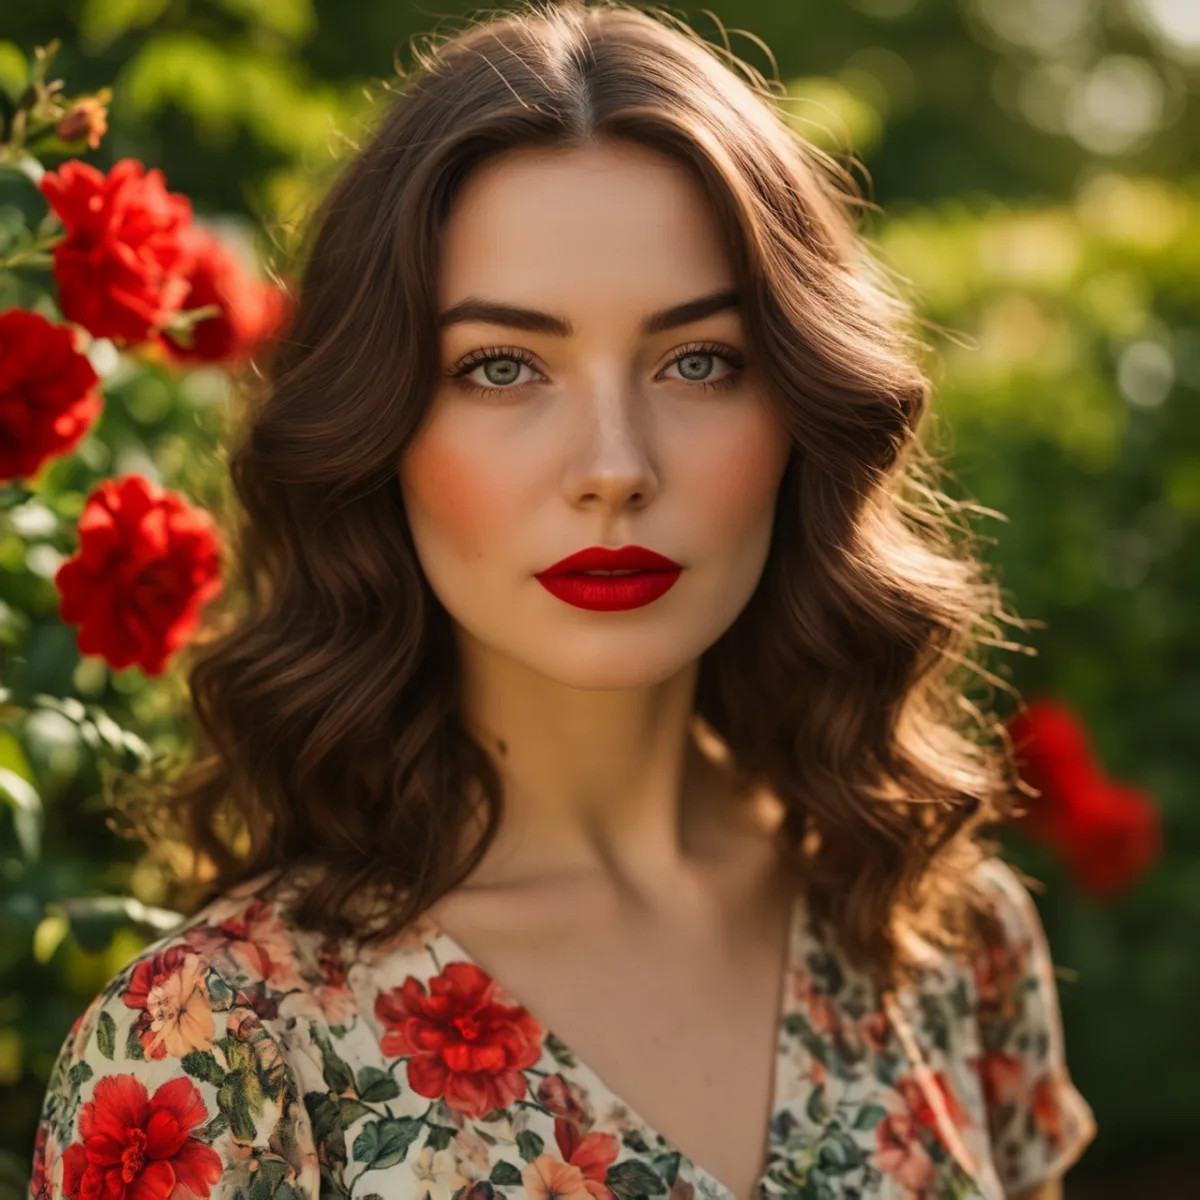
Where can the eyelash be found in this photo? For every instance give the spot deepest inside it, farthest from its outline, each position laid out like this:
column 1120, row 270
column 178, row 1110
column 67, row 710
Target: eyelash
column 478, row 357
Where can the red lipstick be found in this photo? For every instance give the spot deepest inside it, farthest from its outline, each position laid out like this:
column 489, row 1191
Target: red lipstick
column 649, row 576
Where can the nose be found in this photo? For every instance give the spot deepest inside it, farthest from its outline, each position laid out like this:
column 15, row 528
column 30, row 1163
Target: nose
column 611, row 460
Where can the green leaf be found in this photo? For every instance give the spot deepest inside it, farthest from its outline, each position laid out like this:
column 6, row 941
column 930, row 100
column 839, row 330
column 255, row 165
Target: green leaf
column 14, row 70
column 815, row 1108
column 504, row 1174
column 22, row 797
column 106, row 1034
column 101, row 22
column 269, row 1174
column 375, row 1085
column 633, row 1178
column 385, row 1142
column 529, row 1144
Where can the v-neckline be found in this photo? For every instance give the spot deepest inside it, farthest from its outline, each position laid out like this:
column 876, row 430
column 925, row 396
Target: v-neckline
column 454, row 952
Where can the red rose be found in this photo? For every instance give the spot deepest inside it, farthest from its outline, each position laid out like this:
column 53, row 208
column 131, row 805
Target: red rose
column 251, row 311
column 147, row 563
column 463, row 1044
column 1107, row 833
column 47, row 396
column 140, row 1146
column 122, row 267
column 1111, row 835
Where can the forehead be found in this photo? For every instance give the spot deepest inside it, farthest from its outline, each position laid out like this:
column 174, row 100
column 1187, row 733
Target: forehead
column 613, row 222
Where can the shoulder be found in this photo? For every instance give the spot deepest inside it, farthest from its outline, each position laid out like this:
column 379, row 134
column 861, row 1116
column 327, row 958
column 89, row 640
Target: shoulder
column 1039, row 1122
column 185, row 1039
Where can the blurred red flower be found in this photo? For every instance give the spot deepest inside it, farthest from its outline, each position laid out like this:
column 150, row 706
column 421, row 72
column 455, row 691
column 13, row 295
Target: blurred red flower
column 48, row 399
column 252, row 311
column 147, row 563
column 1108, row 834
column 122, row 267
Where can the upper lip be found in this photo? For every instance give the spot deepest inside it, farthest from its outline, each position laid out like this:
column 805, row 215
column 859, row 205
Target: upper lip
column 605, row 558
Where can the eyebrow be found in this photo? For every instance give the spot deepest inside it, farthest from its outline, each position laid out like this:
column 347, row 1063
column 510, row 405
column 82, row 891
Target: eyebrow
column 529, row 319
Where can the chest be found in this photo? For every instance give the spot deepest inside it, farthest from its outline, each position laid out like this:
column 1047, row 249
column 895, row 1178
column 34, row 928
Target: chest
column 676, row 1029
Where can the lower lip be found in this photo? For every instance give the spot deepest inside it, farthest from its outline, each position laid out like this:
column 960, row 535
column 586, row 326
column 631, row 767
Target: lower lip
column 610, row 593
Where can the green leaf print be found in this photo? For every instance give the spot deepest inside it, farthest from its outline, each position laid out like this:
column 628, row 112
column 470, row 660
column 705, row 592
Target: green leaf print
column 240, row 1099
column 267, row 1178
column 220, row 992
column 213, row 1130
column 632, row 1178
column 375, row 1085
column 133, row 1042
column 385, row 1142
column 559, row 1051
column 840, row 1153
column 201, row 1064
column 869, row 1116
column 323, row 1112
column 440, row 1136
column 350, row 1110
column 529, row 1144
column 81, row 1072
column 816, row 1109
column 106, row 1034
column 338, row 1076
column 504, row 1174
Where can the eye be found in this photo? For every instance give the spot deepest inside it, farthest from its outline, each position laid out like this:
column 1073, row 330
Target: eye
column 511, row 359
column 694, row 366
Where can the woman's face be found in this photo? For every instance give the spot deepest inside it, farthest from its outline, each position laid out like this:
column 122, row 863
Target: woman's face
column 601, row 433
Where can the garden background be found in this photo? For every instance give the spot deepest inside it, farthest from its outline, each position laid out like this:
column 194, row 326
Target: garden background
column 1035, row 164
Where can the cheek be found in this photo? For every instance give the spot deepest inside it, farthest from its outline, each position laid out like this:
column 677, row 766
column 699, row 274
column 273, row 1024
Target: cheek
column 735, row 478
column 454, row 495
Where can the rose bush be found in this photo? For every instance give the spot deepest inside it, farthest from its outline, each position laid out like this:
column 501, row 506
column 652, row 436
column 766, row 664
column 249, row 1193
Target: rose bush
column 123, row 322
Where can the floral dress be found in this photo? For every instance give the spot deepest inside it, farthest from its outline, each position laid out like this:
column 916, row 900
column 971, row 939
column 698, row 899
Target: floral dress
column 242, row 1058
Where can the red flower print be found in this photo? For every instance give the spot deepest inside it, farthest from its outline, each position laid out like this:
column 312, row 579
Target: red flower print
column 140, row 1146
column 463, row 1043
column 147, row 563
column 899, row 1153
column 1047, row 1114
column 563, row 1099
column 919, row 1105
column 122, row 267
column 251, row 311
column 256, row 943
column 45, row 1156
column 170, row 988
column 582, row 1172
column 48, row 399
column 1003, row 1077
column 1107, row 833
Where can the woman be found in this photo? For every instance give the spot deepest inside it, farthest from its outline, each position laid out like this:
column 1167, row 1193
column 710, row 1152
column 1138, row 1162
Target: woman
column 590, row 800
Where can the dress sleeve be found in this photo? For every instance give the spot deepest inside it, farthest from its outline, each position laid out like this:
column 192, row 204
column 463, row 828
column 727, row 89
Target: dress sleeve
column 1039, row 1124
column 170, row 1079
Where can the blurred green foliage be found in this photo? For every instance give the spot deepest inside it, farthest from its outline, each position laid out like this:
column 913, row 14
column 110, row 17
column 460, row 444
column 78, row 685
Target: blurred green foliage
column 1034, row 164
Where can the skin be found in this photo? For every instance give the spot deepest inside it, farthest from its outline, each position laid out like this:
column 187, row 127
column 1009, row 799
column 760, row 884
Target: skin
column 604, row 442
column 614, row 807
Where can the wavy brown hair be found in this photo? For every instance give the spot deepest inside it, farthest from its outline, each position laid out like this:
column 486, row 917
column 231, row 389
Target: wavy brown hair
column 324, row 695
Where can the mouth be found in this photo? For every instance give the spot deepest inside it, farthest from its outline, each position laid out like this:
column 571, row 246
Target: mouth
column 601, row 579
column 602, row 561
